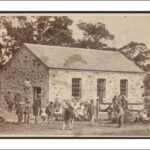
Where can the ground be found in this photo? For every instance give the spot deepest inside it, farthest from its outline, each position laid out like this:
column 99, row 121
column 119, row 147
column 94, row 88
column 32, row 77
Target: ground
column 80, row 129
column 10, row 128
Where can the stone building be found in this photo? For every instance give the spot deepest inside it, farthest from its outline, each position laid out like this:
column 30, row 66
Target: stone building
column 64, row 73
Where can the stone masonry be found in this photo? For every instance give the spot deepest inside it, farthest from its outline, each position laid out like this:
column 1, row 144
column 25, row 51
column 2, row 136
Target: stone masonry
column 24, row 66
column 61, row 85
column 57, row 83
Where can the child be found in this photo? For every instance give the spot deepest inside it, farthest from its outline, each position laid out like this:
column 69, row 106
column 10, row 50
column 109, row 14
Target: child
column 50, row 112
column 43, row 114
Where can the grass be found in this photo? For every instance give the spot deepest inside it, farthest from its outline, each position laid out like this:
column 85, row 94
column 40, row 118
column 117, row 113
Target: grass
column 81, row 129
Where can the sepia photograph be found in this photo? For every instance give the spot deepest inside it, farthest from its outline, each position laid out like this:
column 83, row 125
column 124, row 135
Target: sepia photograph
column 75, row 74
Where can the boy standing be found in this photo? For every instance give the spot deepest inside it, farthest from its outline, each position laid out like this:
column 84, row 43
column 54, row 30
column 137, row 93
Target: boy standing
column 27, row 112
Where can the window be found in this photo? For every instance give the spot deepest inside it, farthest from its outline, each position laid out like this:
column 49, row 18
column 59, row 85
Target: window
column 101, row 88
column 124, row 87
column 76, row 87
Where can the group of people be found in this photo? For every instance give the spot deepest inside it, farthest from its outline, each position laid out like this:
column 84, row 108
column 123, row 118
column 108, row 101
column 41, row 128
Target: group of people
column 118, row 110
column 68, row 111
column 23, row 107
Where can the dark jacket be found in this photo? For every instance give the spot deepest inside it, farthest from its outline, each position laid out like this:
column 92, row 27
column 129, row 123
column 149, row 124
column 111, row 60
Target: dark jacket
column 8, row 98
column 19, row 104
column 50, row 110
column 69, row 113
column 91, row 109
column 36, row 107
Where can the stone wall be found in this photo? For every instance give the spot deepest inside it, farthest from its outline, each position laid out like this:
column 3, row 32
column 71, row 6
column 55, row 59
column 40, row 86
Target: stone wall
column 61, row 85
column 57, row 83
column 25, row 66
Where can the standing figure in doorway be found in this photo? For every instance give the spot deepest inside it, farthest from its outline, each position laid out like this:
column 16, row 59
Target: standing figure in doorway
column 36, row 107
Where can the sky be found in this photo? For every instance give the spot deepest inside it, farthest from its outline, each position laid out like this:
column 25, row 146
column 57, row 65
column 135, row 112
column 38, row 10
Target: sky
column 125, row 27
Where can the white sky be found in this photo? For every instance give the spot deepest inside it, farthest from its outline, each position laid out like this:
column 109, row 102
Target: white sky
column 125, row 28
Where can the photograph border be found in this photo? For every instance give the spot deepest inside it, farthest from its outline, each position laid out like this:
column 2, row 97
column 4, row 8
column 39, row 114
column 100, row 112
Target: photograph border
column 74, row 12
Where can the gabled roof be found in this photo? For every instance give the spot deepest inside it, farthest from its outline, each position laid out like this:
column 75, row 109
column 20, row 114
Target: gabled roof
column 83, row 59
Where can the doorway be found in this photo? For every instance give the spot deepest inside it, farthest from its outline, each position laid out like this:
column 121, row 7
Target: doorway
column 36, row 91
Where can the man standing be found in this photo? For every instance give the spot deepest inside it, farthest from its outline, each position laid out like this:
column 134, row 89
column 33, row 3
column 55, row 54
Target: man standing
column 92, row 112
column 109, row 111
column 19, row 106
column 27, row 111
column 124, row 103
column 36, row 107
column 68, row 116
column 97, row 109
column 56, row 108
column 120, row 117
column 9, row 100
column 115, row 103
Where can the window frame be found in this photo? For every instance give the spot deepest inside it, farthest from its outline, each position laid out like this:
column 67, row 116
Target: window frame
column 124, row 90
column 77, row 87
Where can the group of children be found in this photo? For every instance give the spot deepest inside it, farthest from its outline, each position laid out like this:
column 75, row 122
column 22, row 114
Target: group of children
column 68, row 112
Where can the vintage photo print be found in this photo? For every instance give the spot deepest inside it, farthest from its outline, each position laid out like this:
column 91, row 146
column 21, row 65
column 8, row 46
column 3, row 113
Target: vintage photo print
column 74, row 75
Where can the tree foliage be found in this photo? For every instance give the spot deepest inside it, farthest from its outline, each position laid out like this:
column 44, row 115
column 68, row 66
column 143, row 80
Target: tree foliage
column 94, row 35
column 55, row 30
column 137, row 52
column 48, row 30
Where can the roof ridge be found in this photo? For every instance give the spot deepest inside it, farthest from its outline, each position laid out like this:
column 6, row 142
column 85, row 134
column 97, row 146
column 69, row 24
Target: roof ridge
column 71, row 47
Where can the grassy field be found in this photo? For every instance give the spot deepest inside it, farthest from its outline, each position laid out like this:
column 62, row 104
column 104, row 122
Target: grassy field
column 80, row 129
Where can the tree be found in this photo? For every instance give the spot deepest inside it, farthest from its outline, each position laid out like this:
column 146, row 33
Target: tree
column 54, row 31
column 137, row 52
column 48, row 30
column 133, row 49
column 93, row 35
